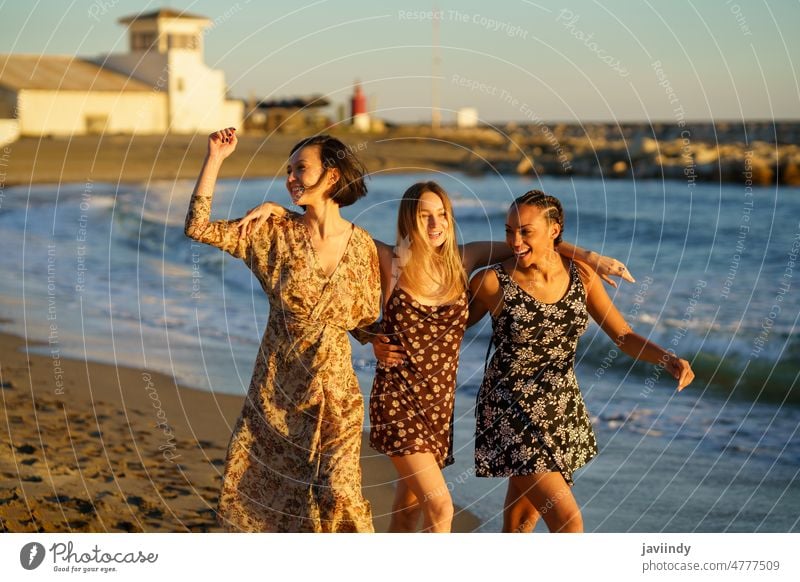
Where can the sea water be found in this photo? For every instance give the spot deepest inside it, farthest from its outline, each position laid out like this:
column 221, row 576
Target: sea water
column 104, row 272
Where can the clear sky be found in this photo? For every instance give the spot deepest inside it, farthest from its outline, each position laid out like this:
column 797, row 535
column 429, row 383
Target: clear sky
column 580, row 60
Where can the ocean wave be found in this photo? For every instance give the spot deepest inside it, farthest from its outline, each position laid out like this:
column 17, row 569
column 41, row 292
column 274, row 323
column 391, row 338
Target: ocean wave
column 737, row 365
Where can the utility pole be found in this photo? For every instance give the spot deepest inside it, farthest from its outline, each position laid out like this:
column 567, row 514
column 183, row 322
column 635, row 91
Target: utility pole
column 436, row 114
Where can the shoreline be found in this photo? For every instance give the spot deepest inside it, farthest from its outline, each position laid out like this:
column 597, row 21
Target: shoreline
column 690, row 153
column 93, row 447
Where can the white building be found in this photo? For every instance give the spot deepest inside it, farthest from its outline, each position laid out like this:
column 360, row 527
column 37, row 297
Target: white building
column 161, row 85
column 467, row 118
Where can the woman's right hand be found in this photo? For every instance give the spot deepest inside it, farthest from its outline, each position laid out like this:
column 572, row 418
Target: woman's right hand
column 681, row 370
column 607, row 267
column 222, row 143
column 256, row 217
column 387, row 353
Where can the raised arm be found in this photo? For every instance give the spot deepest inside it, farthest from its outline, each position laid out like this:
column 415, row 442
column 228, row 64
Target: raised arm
column 637, row 347
column 223, row 234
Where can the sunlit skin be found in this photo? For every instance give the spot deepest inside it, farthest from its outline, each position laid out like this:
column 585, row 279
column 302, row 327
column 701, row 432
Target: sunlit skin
column 544, row 274
column 309, row 184
column 433, row 219
column 421, row 490
column 303, row 172
column 538, row 267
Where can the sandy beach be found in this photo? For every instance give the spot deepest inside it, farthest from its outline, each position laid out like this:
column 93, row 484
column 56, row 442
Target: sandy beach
column 598, row 150
column 144, row 158
column 85, row 448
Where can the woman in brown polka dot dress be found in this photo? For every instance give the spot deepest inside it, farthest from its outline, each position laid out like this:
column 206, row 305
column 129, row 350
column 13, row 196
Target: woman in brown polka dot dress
column 424, row 284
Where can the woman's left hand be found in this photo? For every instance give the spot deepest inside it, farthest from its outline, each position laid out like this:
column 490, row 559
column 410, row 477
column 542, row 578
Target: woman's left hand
column 681, row 371
column 257, row 217
column 607, row 267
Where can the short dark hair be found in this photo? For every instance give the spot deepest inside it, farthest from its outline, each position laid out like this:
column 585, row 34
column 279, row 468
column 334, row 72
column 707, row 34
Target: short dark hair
column 334, row 154
column 553, row 212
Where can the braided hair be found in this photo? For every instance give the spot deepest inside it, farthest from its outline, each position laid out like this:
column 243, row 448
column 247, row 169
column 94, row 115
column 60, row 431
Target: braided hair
column 550, row 206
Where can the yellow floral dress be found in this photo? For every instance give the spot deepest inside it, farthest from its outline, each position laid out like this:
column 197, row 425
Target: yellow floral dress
column 293, row 462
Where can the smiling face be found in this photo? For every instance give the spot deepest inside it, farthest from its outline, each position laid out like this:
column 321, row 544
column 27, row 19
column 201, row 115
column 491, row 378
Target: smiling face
column 306, row 178
column 529, row 234
column 432, row 219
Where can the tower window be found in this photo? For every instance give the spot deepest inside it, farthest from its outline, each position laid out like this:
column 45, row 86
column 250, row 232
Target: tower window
column 182, row 41
column 142, row 41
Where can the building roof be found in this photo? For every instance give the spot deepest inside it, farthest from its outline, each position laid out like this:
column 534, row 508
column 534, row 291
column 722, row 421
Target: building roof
column 295, row 102
column 162, row 13
column 61, row 73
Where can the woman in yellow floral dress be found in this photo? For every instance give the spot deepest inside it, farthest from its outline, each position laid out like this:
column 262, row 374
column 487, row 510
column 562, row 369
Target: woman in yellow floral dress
column 293, row 460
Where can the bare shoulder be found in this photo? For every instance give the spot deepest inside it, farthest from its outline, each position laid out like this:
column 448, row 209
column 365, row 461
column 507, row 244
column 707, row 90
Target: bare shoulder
column 586, row 273
column 484, row 281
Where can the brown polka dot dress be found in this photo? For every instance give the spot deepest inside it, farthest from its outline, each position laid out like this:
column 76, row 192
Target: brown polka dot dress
column 411, row 405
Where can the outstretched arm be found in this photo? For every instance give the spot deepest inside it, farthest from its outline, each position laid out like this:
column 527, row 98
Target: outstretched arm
column 614, row 325
column 222, row 234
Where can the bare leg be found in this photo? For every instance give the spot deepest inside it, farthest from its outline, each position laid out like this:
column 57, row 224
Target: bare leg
column 421, row 474
column 405, row 510
column 552, row 497
column 519, row 514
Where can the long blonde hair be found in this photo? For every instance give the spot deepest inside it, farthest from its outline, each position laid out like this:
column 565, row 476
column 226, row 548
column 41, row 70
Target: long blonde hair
column 420, row 262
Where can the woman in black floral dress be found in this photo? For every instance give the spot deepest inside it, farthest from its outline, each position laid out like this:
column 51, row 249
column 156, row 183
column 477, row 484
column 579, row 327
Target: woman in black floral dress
column 532, row 425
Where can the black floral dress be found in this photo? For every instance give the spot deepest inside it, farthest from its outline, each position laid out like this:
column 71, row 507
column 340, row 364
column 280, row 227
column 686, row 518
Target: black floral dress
column 530, row 413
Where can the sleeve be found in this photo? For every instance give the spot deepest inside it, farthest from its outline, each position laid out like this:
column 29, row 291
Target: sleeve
column 223, row 234
column 368, row 326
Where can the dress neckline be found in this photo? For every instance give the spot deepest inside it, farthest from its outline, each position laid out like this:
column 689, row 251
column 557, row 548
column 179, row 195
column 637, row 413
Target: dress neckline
column 315, row 258
column 399, row 289
column 539, row 301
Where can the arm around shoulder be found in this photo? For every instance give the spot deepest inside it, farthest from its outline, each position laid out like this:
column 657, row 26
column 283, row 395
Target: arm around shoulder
column 605, row 267
column 479, row 254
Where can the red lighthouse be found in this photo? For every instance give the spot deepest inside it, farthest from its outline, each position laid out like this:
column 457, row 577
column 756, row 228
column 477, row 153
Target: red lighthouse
column 358, row 102
column 358, row 108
